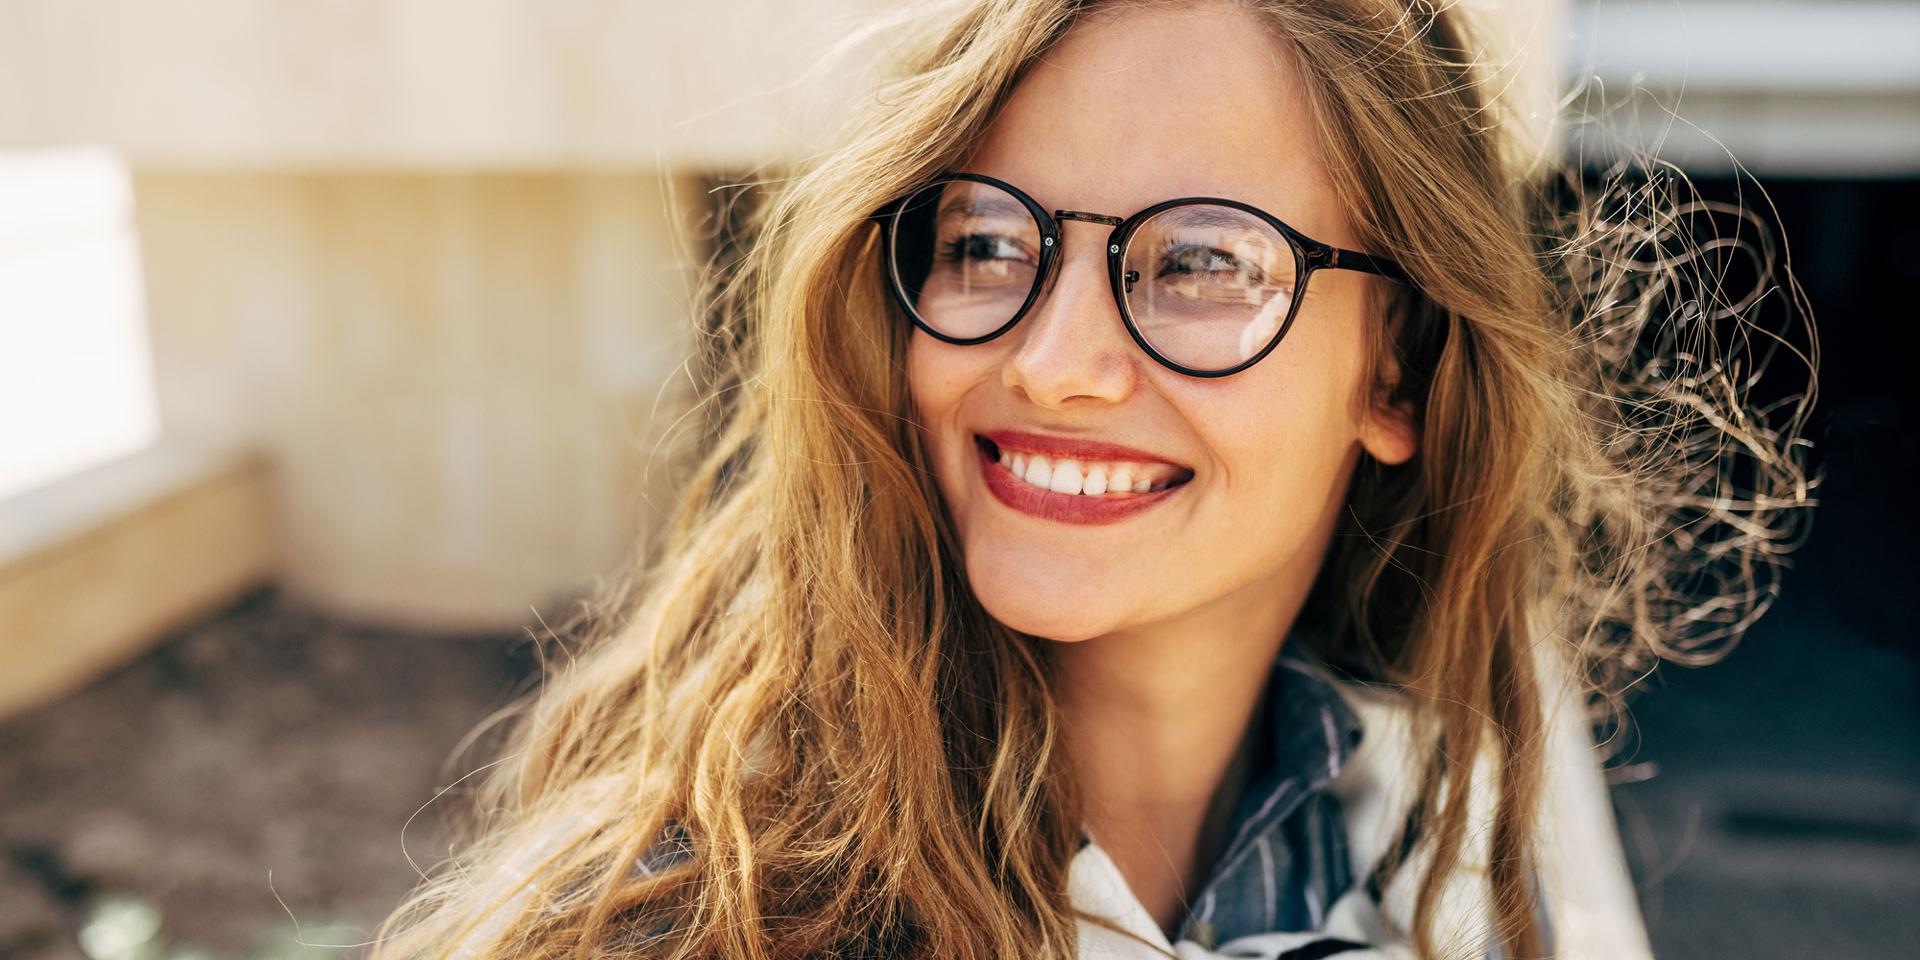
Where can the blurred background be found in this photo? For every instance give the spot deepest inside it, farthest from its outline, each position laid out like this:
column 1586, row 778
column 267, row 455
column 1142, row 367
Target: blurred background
column 341, row 352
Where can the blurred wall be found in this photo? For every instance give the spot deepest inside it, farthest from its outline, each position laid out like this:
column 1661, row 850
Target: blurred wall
column 427, row 254
column 454, row 372
column 416, row 83
column 1794, row 88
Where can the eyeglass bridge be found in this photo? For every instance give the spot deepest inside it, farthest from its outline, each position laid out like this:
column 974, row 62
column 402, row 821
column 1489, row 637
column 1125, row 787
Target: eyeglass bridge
column 1088, row 217
column 1131, row 276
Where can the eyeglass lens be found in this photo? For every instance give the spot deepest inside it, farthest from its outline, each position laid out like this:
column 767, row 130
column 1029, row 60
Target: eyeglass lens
column 1208, row 286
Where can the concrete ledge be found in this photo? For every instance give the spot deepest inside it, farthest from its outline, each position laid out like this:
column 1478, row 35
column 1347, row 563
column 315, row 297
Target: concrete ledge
column 96, row 567
column 1786, row 87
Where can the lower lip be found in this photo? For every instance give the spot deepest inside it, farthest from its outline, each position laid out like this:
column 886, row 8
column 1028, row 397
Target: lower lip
column 1063, row 507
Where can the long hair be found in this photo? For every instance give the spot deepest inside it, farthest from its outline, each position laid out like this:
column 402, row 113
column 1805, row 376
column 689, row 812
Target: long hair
column 798, row 734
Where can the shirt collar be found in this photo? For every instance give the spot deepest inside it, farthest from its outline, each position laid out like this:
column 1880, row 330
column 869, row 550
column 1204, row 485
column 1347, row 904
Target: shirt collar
column 1285, row 858
column 1311, row 729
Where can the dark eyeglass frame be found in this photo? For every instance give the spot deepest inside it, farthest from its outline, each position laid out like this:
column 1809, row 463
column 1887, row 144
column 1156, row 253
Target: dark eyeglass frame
column 1310, row 255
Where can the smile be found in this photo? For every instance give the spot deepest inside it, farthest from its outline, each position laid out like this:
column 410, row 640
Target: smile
column 1078, row 490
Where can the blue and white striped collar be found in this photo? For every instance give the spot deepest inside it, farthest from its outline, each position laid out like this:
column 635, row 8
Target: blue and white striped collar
column 1286, row 859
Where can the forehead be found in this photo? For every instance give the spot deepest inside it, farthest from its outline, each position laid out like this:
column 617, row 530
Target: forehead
column 1136, row 105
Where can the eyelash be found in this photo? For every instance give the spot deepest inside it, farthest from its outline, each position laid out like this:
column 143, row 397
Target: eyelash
column 953, row 251
column 1168, row 247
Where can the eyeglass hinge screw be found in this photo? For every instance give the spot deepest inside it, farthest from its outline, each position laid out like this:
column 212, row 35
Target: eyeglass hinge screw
column 1113, row 248
column 1046, row 241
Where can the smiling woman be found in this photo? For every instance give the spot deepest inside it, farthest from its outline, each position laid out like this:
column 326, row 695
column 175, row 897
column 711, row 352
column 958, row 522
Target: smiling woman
column 1175, row 470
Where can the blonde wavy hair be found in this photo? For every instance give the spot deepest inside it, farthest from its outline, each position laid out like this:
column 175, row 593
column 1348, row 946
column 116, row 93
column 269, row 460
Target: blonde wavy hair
column 796, row 733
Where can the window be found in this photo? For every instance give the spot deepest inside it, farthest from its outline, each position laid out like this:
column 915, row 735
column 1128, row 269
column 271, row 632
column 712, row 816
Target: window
column 76, row 375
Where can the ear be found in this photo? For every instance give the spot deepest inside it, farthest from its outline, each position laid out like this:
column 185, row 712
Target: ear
column 1388, row 433
column 1387, row 429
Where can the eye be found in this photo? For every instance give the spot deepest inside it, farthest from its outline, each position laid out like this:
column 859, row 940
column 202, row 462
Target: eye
column 1188, row 259
column 981, row 246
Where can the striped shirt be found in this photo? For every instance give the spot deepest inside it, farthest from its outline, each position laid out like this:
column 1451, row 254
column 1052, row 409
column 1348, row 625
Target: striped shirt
column 1286, row 857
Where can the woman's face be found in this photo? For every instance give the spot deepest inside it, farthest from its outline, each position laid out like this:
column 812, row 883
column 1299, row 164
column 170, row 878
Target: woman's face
column 1133, row 107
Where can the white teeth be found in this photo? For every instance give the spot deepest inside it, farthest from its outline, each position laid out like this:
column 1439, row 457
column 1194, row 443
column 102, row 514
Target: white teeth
column 1039, row 472
column 1096, row 482
column 1070, row 477
column 1066, row 478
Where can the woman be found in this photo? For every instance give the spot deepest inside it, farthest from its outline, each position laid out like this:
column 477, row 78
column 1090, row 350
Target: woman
column 1169, row 485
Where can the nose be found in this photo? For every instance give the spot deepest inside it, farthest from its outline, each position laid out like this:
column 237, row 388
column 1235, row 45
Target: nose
column 1072, row 342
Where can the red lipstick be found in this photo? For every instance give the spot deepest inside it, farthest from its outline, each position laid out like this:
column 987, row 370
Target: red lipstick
column 1068, row 507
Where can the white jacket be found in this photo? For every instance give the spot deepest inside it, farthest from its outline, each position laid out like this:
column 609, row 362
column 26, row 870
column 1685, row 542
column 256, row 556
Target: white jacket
column 1590, row 905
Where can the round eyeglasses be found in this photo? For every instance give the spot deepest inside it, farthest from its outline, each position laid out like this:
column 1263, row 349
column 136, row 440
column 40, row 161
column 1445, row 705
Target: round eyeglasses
column 1205, row 286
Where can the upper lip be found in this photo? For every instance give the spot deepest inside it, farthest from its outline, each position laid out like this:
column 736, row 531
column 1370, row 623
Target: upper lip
column 1070, row 448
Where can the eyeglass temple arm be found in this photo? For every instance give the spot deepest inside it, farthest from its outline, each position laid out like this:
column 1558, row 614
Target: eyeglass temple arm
column 1339, row 259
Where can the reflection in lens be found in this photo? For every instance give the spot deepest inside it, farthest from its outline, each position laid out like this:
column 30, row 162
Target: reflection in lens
column 1209, row 286
column 966, row 254
column 1263, row 327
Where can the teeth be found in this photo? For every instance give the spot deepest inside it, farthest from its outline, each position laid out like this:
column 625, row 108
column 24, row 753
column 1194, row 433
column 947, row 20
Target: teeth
column 1093, row 480
column 1038, row 472
column 1066, row 478
column 1096, row 482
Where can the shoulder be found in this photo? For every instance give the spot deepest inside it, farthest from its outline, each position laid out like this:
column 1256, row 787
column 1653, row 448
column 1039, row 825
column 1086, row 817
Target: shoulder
column 1587, row 892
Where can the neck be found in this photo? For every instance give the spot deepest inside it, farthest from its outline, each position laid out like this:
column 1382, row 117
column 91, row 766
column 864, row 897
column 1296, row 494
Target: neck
column 1157, row 721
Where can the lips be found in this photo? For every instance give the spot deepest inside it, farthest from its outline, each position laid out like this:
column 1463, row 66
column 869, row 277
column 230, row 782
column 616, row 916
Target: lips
column 1075, row 481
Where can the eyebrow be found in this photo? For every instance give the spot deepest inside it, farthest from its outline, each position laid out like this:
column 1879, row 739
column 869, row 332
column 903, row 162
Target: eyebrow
column 1207, row 216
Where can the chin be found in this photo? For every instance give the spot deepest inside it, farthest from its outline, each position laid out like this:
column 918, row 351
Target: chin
column 1049, row 625
column 1037, row 606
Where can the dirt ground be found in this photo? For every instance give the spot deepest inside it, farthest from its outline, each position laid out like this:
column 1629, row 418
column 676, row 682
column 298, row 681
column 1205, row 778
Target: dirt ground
column 252, row 772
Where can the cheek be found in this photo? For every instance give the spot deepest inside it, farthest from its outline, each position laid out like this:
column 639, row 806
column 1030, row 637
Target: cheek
column 936, row 377
column 1300, row 413
column 1285, row 442
column 921, row 385
column 1287, row 453
column 939, row 377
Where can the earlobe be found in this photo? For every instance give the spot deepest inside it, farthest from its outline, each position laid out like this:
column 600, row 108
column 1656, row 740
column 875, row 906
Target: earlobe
column 1388, row 433
column 1390, row 422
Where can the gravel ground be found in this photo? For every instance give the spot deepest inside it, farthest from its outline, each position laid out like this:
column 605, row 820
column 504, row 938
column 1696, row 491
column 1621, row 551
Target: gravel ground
column 253, row 771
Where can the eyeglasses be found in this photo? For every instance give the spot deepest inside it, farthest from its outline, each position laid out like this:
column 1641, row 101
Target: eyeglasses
column 1205, row 286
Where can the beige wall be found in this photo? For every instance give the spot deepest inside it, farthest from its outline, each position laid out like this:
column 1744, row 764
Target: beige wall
column 429, row 83
column 455, row 373
column 423, row 253
column 465, row 83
